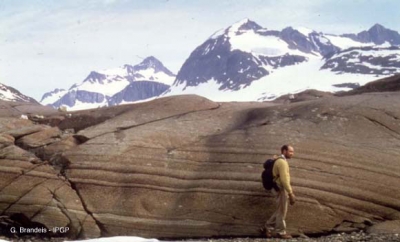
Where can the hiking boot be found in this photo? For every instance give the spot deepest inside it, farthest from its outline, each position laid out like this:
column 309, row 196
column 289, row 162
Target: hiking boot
column 267, row 233
column 284, row 236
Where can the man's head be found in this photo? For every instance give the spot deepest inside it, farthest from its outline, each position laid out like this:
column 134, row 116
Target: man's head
column 287, row 151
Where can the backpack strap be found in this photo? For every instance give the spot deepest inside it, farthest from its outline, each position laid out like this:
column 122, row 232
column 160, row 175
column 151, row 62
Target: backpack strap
column 275, row 185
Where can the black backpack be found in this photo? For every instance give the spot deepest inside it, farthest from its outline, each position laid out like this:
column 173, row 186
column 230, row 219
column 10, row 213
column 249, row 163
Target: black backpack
column 267, row 176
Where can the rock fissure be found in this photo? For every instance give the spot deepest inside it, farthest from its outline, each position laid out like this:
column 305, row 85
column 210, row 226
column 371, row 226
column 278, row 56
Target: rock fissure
column 119, row 129
column 386, row 112
column 43, row 208
column 103, row 230
column 82, row 202
column 23, row 195
column 23, row 173
column 391, row 131
column 75, row 225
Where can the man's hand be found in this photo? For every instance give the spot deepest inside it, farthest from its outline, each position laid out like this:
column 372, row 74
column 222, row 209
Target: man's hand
column 292, row 198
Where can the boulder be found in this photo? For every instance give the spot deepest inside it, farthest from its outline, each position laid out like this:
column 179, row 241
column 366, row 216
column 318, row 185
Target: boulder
column 53, row 152
column 33, row 193
column 68, row 142
column 187, row 167
column 41, row 138
column 6, row 140
column 13, row 152
column 387, row 227
column 27, row 130
column 7, row 124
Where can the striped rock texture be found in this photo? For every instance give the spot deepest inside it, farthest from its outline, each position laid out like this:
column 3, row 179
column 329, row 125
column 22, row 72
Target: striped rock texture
column 184, row 166
column 32, row 192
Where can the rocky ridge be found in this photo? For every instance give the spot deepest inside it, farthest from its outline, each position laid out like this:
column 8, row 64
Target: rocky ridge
column 157, row 169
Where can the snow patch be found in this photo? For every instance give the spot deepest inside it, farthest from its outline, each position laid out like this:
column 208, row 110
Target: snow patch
column 236, row 26
column 373, row 53
column 345, row 42
column 217, row 34
column 53, row 97
column 304, row 31
column 115, row 72
column 7, row 95
column 79, row 105
column 151, row 75
column 270, row 46
column 110, row 88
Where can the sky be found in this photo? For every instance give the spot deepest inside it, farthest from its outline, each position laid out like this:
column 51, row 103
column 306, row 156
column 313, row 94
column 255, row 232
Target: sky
column 48, row 44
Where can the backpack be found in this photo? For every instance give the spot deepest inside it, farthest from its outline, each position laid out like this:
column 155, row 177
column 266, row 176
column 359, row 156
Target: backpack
column 267, row 176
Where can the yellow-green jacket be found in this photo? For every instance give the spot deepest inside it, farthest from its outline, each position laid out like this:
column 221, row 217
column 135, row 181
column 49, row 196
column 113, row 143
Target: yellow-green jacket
column 281, row 174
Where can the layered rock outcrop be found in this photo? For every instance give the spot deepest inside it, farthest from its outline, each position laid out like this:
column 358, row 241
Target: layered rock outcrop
column 181, row 172
column 32, row 192
column 184, row 166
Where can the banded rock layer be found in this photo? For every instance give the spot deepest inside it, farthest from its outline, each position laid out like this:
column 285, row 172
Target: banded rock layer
column 184, row 166
column 33, row 194
column 187, row 167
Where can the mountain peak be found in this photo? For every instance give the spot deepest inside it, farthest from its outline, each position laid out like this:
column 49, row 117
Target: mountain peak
column 377, row 27
column 151, row 61
column 95, row 76
column 379, row 35
column 8, row 93
column 244, row 24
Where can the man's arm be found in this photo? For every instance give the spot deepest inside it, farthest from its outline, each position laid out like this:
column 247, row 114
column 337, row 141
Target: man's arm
column 283, row 169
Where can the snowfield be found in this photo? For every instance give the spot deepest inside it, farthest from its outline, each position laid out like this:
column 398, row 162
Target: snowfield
column 289, row 80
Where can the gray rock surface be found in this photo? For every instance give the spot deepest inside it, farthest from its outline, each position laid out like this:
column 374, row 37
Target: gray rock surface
column 186, row 167
column 180, row 172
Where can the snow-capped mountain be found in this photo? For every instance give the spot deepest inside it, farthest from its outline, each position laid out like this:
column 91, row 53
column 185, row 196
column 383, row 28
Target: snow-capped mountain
column 53, row 96
column 365, row 60
column 138, row 90
column 8, row 93
column 114, row 86
column 377, row 34
column 246, row 62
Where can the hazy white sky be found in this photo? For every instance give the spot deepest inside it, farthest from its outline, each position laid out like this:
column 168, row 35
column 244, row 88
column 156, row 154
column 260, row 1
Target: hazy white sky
column 48, row 44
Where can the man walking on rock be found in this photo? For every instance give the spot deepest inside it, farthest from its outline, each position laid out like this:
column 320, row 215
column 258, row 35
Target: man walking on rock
column 281, row 176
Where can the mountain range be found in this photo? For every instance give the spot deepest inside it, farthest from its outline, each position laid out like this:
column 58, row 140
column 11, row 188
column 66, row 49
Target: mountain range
column 8, row 93
column 246, row 62
column 114, row 86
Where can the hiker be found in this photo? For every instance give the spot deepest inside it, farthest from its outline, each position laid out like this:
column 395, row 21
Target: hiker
column 282, row 192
